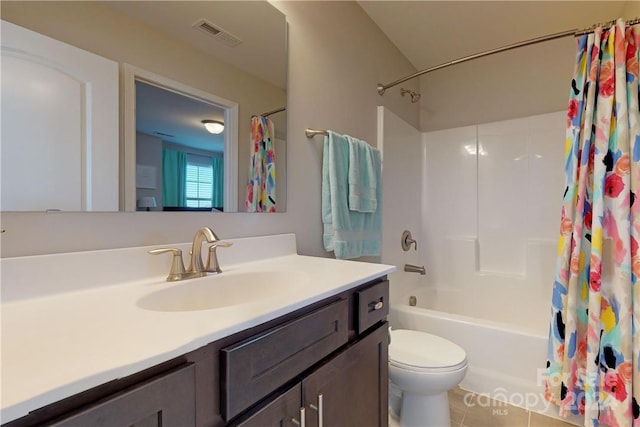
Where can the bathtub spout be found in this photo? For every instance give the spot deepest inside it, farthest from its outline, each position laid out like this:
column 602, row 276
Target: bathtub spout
column 409, row 268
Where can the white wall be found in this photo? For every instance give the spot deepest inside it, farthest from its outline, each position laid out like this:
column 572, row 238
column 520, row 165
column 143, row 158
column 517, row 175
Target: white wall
column 631, row 10
column 336, row 58
column 402, row 194
column 518, row 83
column 526, row 81
column 493, row 199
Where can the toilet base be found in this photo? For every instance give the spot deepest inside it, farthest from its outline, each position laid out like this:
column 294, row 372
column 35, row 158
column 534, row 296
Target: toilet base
column 425, row 411
column 395, row 401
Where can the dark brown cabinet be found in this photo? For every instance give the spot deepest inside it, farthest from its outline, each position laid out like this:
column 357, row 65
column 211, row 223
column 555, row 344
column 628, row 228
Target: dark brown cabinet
column 349, row 390
column 283, row 411
column 168, row 400
column 324, row 365
column 257, row 366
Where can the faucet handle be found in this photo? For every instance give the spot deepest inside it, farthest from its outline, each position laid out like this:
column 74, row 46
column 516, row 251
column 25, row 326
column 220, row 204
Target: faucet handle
column 177, row 271
column 407, row 240
column 213, row 266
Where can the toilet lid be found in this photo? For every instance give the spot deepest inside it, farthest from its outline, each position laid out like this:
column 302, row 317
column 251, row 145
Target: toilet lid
column 414, row 349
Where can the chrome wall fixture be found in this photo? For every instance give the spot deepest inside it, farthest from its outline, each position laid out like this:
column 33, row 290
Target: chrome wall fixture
column 407, row 240
column 310, row 133
column 410, row 268
column 575, row 32
column 415, row 96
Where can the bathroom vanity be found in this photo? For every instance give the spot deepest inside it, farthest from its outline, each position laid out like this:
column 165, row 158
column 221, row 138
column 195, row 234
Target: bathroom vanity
column 315, row 355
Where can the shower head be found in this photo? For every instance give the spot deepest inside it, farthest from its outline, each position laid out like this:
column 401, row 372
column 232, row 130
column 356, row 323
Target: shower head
column 415, row 96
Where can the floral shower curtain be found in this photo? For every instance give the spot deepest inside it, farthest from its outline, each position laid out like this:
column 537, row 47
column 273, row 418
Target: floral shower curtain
column 261, row 186
column 593, row 354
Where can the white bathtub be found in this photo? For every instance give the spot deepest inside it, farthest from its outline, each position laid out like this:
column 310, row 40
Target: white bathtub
column 506, row 357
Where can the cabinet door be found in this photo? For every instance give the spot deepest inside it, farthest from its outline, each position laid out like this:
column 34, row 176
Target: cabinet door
column 167, row 401
column 351, row 389
column 279, row 413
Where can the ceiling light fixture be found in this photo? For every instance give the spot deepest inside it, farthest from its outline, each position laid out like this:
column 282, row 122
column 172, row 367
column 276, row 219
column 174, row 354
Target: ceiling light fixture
column 213, row 126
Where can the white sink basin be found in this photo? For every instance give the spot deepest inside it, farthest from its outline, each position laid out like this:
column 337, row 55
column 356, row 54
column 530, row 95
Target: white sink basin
column 224, row 290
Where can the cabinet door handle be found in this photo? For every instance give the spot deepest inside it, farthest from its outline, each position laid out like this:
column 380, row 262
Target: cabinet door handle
column 302, row 418
column 319, row 409
column 376, row 305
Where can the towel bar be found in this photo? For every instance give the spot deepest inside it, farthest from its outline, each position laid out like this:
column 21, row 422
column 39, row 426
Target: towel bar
column 310, row 133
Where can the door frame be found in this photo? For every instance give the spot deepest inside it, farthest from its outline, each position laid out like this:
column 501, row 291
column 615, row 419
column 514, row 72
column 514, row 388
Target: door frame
column 131, row 74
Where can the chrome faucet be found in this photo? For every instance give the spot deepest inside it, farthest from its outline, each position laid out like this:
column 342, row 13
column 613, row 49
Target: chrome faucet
column 196, row 267
column 195, row 264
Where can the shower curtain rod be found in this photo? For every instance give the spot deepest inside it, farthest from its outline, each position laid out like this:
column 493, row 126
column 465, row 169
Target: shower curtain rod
column 382, row 88
column 268, row 113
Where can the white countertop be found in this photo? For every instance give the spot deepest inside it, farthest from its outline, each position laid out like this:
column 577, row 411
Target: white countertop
column 60, row 344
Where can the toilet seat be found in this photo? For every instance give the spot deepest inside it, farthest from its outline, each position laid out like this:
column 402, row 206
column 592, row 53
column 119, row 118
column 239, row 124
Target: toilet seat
column 423, row 352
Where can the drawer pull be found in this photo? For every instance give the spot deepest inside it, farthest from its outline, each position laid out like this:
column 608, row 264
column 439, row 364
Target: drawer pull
column 302, row 417
column 376, row 305
column 319, row 409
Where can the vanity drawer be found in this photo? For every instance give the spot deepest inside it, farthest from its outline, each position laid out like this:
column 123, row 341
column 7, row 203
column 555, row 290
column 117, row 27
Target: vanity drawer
column 373, row 305
column 151, row 403
column 255, row 367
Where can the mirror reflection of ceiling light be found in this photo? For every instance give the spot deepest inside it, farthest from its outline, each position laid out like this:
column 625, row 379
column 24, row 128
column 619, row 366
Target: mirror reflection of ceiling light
column 213, row 126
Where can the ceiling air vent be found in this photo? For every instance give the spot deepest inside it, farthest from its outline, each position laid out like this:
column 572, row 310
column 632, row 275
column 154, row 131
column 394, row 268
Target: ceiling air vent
column 165, row 134
column 218, row 33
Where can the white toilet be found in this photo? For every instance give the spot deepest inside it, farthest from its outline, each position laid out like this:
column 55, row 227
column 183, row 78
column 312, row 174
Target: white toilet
column 422, row 368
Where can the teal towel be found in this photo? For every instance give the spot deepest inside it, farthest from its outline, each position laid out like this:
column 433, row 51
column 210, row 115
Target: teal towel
column 362, row 176
column 350, row 234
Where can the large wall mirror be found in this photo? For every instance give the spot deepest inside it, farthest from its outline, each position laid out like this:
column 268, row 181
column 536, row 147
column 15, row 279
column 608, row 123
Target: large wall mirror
column 231, row 55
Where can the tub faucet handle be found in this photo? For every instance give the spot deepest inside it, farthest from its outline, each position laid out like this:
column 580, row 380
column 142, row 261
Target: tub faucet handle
column 407, row 240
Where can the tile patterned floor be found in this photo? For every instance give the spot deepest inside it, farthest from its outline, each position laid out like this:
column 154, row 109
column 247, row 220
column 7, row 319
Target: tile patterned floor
column 470, row 410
